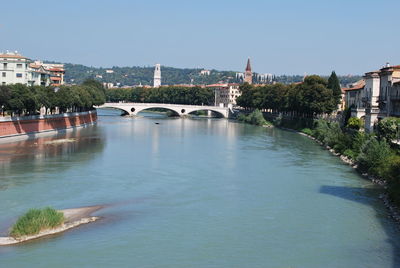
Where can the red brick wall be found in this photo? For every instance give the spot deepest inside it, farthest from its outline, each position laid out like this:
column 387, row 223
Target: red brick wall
column 17, row 127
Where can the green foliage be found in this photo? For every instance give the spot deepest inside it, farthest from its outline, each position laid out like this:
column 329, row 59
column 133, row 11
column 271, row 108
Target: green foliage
column 254, row 118
column 247, row 96
column 388, row 128
column 354, row 123
column 310, row 98
column 350, row 154
column 334, row 85
column 393, row 179
column 21, row 99
column 308, row 131
column 374, row 156
column 36, row 220
column 168, row 94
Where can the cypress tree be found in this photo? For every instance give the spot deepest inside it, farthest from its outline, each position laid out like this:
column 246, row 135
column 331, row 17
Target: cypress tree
column 334, row 85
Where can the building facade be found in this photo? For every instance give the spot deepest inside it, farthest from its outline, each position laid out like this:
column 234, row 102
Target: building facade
column 378, row 98
column 226, row 94
column 17, row 69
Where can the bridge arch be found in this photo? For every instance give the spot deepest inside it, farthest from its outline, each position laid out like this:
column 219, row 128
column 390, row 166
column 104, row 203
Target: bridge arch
column 124, row 111
column 219, row 114
column 143, row 109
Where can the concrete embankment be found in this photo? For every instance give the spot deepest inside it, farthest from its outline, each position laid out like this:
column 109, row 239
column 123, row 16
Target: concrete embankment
column 30, row 125
column 74, row 218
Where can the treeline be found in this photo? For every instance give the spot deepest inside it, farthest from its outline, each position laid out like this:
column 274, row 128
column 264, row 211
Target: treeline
column 314, row 96
column 170, row 94
column 135, row 75
column 19, row 99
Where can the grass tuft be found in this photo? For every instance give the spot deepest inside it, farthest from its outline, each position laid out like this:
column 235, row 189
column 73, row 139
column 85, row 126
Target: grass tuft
column 35, row 220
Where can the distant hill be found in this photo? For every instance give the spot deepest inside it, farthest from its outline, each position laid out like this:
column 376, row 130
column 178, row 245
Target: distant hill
column 130, row 76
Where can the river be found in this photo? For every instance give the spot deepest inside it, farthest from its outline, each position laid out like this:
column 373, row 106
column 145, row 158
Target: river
column 194, row 193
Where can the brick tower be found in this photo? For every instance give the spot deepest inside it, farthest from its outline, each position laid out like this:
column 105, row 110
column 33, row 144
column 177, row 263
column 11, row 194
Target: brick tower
column 248, row 75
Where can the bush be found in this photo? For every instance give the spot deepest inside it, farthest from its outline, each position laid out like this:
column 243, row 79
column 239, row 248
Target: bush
column 374, row 156
column 307, row 131
column 350, row 154
column 254, row 118
column 354, row 123
column 36, row 220
column 393, row 179
column 321, row 129
column 388, row 128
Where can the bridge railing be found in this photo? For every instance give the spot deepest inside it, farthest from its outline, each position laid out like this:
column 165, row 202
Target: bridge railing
column 152, row 104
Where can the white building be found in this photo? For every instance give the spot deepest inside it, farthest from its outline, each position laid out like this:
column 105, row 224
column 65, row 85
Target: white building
column 205, row 72
column 17, row 69
column 378, row 98
column 226, row 94
column 157, row 76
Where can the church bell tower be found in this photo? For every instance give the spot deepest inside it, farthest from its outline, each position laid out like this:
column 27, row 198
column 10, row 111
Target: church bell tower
column 248, row 75
column 157, row 76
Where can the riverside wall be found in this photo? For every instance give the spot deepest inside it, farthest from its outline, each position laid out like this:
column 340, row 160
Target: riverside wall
column 30, row 125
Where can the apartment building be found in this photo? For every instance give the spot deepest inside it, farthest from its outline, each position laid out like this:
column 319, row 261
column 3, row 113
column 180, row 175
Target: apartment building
column 17, row 69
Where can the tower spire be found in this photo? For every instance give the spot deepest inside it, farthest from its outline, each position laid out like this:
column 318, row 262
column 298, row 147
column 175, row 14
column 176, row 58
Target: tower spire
column 248, row 75
column 248, row 67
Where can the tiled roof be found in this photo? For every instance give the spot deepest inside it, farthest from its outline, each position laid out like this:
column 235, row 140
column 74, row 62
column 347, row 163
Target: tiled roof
column 217, row 85
column 56, row 70
column 356, row 86
column 12, row 56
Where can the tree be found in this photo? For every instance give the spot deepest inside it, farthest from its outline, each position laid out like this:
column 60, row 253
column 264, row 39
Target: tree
column 334, row 85
column 314, row 97
column 246, row 99
column 5, row 95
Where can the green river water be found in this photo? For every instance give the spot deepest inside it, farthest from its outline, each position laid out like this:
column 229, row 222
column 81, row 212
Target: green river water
column 194, row 193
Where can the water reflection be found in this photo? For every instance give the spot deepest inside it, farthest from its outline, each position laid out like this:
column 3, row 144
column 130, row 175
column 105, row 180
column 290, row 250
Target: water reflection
column 50, row 152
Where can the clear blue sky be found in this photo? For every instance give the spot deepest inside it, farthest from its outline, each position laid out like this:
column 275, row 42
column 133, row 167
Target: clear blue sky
column 280, row 37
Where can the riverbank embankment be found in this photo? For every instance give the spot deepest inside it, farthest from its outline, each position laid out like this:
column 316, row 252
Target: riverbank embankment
column 74, row 217
column 28, row 126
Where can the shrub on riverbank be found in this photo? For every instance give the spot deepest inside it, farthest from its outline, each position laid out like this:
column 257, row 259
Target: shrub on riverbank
column 36, row 220
column 389, row 128
column 254, row 118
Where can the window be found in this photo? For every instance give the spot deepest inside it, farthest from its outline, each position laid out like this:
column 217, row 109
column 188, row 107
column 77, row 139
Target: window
column 19, row 75
column 19, row 65
column 4, row 74
column 3, row 83
column 5, row 66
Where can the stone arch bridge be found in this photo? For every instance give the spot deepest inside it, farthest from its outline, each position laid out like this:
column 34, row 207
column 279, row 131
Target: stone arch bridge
column 132, row 108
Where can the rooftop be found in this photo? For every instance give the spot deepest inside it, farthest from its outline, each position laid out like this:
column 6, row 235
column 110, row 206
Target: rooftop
column 12, row 55
column 356, row 86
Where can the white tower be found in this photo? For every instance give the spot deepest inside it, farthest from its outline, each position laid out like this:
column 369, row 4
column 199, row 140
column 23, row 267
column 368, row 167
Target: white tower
column 157, row 76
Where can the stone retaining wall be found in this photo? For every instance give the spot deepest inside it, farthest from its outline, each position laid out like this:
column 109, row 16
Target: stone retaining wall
column 26, row 125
